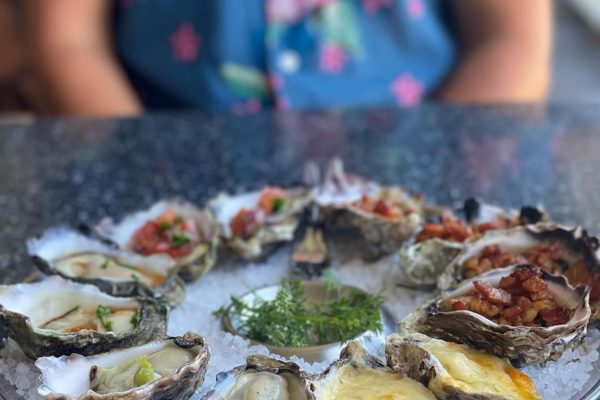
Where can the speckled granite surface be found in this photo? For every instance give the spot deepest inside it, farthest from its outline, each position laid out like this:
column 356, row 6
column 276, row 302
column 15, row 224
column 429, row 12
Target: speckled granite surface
column 71, row 172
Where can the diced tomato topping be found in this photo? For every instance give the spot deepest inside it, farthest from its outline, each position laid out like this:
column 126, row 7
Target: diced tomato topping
column 273, row 199
column 387, row 209
column 169, row 233
column 246, row 222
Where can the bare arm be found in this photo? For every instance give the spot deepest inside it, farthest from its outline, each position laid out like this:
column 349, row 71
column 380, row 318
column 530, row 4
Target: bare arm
column 505, row 51
column 73, row 58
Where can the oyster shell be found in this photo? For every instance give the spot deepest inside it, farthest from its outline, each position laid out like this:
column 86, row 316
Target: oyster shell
column 57, row 316
column 579, row 259
column 270, row 229
column 262, row 378
column 170, row 368
column 359, row 375
column 117, row 272
column 521, row 344
column 176, row 221
column 361, row 216
column 424, row 260
column 454, row 371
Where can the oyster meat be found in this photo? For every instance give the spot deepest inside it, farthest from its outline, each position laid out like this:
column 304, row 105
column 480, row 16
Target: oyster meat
column 358, row 375
column 57, row 316
column 263, row 378
column 175, row 228
column 554, row 248
column 455, row 371
column 253, row 223
column 519, row 312
column 170, row 368
column 84, row 259
column 362, row 217
column 439, row 241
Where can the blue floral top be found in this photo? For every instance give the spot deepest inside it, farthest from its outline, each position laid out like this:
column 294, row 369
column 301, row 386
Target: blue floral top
column 245, row 55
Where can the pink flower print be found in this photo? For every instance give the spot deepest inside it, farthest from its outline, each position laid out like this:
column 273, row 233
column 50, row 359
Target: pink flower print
column 288, row 11
column 332, row 58
column 253, row 106
column 415, row 8
column 282, row 103
column 275, row 82
column 185, row 43
column 407, row 90
column 373, row 6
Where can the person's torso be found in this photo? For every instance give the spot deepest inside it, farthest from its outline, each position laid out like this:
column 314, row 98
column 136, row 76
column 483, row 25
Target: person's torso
column 251, row 54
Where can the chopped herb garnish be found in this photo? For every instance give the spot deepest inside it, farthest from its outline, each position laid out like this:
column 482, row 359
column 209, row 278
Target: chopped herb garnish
column 105, row 264
column 135, row 319
column 128, row 266
column 279, row 204
column 178, row 220
column 164, row 226
column 288, row 321
column 135, row 277
column 103, row 313
column 180, row 240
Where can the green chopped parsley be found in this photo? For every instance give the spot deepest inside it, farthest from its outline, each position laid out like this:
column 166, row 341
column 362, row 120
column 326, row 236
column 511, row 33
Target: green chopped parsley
column 164, row 226
column 135, row 277
column 180, row 240
column 279, row 204
column 135, row 319
column 103, row 313
column 105, row 264
column 178, row 220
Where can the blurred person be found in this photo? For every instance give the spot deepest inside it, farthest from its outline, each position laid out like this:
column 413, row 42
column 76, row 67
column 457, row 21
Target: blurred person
column 98, row 57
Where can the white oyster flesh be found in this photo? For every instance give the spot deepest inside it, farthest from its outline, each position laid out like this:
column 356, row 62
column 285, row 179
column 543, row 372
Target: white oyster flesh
column 254, row 385
column 353, row 383
column 78, row 256
column 63, row 306
column 339, row 193
column 114, row 372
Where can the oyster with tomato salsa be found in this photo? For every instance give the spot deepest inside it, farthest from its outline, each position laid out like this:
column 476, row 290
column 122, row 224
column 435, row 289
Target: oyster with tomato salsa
column 174, row 228
column 364, row 217
column 253, row 223
column 83, row 259
column 57, row 317
column 519, row 312
column 437, row 243
column 455, row 371
column 554, row 248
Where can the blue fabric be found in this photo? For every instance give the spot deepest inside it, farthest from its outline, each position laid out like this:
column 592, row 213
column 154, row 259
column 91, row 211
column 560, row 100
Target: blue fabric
column 245, row 55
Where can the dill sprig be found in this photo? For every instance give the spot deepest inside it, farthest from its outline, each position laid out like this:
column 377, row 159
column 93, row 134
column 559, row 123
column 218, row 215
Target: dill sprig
column 289, row 321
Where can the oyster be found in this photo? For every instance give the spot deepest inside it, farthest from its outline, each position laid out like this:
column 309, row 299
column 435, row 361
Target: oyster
column 117, row 272
column 450, row 317
column 437, row 244
column 175, row 228
column 361, row 216
column 253, row 223
column 455, row 371
column 170, row 368
column 57, row 316
column 556, row 249
column 263, row 378
column 359, row 375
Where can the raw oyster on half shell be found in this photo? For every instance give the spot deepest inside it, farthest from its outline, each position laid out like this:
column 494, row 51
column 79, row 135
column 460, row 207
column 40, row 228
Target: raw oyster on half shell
column 174, row 228
column 83, row 259
column 253, row 223
column 171, row 368
column 57, row 317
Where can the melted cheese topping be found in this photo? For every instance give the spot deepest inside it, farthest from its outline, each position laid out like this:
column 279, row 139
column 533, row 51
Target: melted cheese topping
column 474, row 371
column 93, row 266
column 350, row 383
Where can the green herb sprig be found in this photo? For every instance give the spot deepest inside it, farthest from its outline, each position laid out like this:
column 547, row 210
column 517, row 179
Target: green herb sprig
column 103, row 313
column 288, row 321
